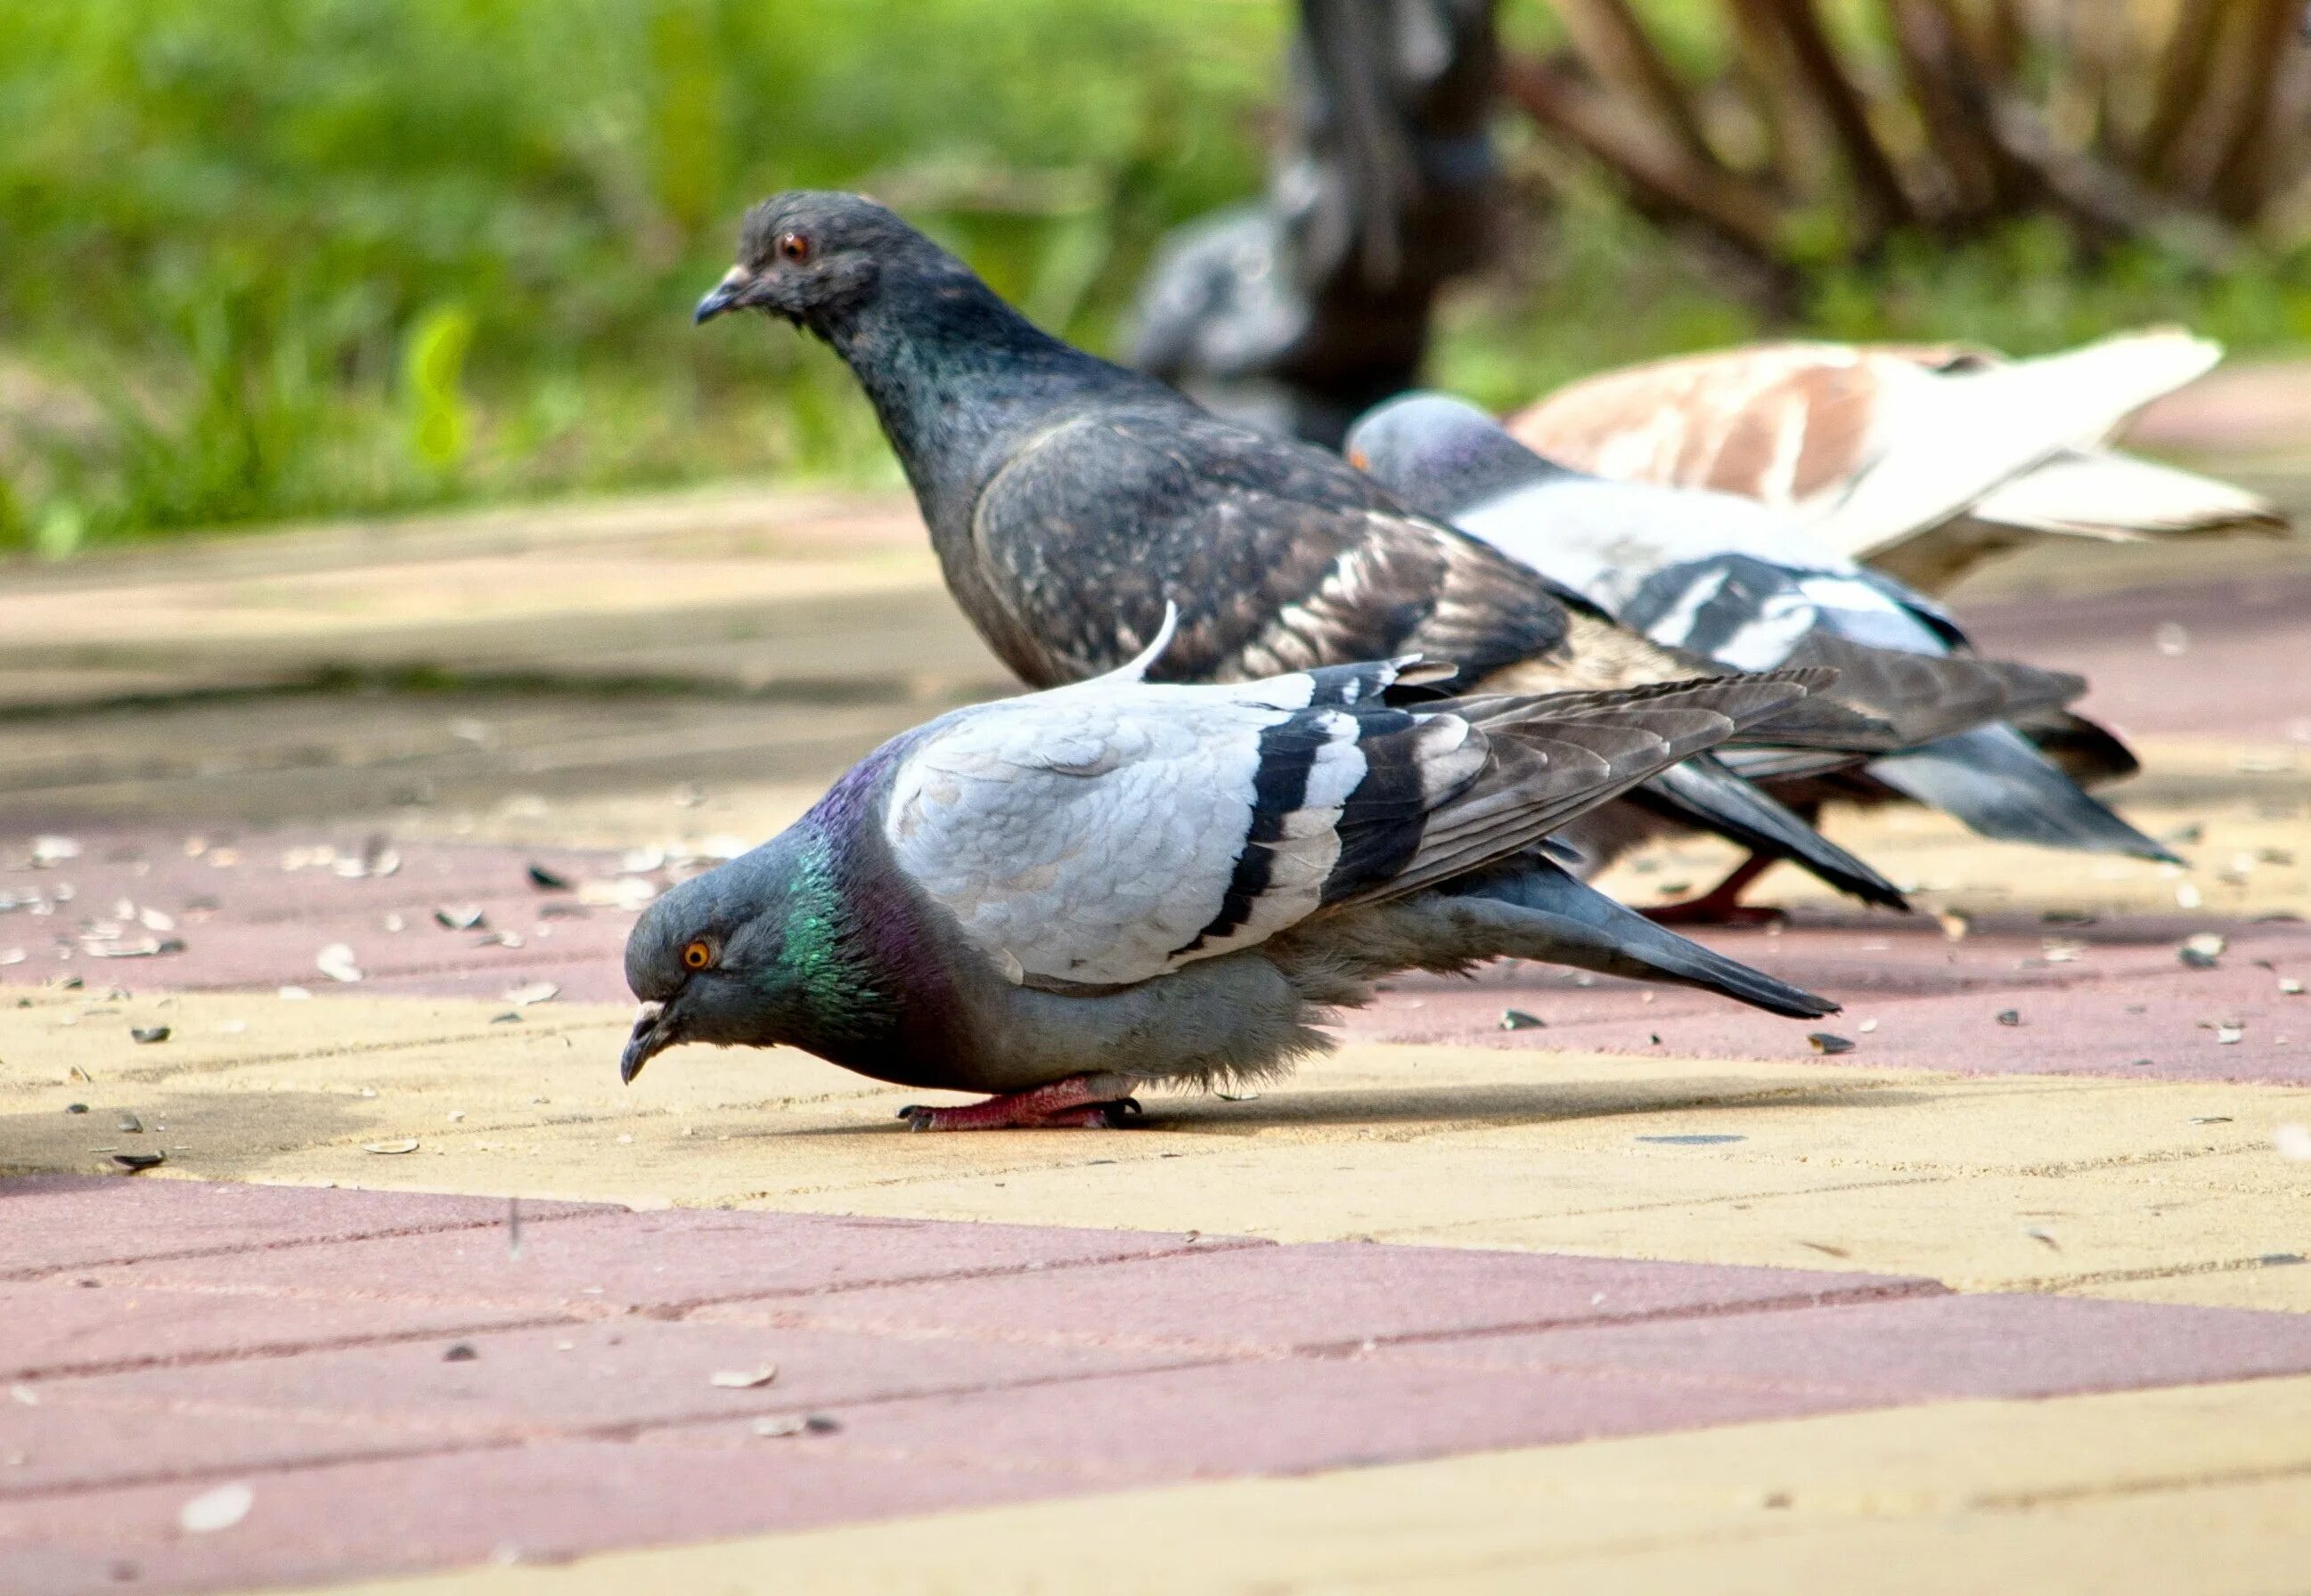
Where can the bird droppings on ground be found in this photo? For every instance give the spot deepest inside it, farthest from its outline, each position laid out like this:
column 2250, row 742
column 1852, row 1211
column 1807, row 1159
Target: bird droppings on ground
column 214, row 1510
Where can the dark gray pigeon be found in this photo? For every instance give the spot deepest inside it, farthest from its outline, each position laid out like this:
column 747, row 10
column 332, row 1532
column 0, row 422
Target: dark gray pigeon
column 1741, row 583
column 1067, row 497
column 1056, row 897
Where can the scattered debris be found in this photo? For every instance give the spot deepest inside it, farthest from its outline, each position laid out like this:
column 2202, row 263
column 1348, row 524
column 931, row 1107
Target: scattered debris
column 2060, row 952
column 1866, row 1027
column 536, row 992
column 336, row 962
column 2037, row 1234
column 48, row 852
column 1717, row 1140
column 295, row 991
column 1517, row 1019
column 458, row 917
column 2289, row 987
column 130, row 1124
column 1824, row 1247
column 2293, row 1142
column 2229, row 1033
column 2201, row 952
column 1825, row 1041
column 1242, row 1094
column 785, row 1423
column 2009, row 1016
column 2171, row 639
column 743, row 1379
column 2186, row 896
column 9, row 956
column 220, row 1509
column 146, row 1035
column 548, row 881
column 76, row 1109
column 135, row 1162
column 2210, row 1119
column 1954, row 926
column 460, row 1352
column 390, row 1148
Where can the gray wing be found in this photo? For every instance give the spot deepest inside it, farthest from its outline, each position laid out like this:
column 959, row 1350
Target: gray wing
column 1111, row 832
column 1280, row 557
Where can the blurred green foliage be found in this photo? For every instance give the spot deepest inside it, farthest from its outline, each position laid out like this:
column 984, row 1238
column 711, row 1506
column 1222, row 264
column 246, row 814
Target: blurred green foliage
column 275, row 259
column 287, row 257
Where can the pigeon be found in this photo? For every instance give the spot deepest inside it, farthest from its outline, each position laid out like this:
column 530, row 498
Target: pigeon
column 1059, row 897
column 1923, row 461
column 1744, row 584
column 1068, row 498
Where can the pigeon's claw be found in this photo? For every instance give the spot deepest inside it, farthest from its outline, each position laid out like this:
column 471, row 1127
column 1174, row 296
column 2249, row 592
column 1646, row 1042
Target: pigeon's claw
column 1094, row 1102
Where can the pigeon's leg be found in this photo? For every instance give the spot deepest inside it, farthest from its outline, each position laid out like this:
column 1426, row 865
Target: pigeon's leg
column 1722, row 905
column 1095, row 1101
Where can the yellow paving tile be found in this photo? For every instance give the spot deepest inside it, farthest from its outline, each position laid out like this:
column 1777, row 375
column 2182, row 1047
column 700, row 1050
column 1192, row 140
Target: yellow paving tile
column 2179, row 1491
column 2011, row 1183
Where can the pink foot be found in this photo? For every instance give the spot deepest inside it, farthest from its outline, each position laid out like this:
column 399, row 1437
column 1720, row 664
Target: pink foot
column 1094, row 1102
column 1722, row 905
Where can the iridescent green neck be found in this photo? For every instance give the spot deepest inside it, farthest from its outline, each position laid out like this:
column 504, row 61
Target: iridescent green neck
column 822, row 969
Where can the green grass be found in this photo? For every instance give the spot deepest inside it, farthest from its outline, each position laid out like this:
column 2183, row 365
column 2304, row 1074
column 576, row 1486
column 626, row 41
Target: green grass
column 280, row 258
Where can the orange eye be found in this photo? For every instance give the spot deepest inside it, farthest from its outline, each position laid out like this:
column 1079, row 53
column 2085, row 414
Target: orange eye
column 793, row 249
column 697, row 956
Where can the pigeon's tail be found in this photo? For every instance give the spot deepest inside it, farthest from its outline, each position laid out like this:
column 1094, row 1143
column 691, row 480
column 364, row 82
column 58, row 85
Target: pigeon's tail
column 2000, row 787
column 1702, row 792
column 2102, row 493
column 1538, row 911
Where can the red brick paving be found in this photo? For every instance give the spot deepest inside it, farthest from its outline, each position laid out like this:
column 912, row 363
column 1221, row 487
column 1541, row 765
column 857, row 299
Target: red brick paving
column 962, row 1364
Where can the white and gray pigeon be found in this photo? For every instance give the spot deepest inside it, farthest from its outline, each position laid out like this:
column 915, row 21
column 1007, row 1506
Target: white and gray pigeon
column 1068, row 500
column 1059, row 896
column 1744, row 584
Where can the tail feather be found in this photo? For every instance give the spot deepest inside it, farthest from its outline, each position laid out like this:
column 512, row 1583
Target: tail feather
column 1702, row 792
column 2000, row 787
column 1539, row 911
column 1925, row 696
column 2102, row 493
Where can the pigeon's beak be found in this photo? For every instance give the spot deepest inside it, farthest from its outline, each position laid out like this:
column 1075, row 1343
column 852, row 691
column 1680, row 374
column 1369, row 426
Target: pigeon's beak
column 653, row 1034
column 728, row 294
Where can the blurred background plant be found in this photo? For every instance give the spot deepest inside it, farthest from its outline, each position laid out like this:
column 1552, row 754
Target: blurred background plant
column 282, row 259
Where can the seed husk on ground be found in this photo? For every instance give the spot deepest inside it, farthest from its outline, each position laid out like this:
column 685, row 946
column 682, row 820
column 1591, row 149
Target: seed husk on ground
column 1825, row 1041
column 135, row 1162
column 743, row 1379
column 549, row 881
column 1517, row 1019
column 148, row 1034
column 391, row 1148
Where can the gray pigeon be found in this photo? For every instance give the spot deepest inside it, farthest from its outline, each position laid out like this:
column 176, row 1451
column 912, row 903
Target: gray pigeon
column 1068, row 498
column 1743, row 585
column 1059, row 897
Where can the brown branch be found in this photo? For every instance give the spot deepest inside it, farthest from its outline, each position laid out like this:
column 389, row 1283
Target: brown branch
column 1660, row 180
column 2184, row 67
column 2101, row 199
column 2243, row 176
column 1954, row 108
column 1793, row 158
column 1617, row 49
column 1875, row 178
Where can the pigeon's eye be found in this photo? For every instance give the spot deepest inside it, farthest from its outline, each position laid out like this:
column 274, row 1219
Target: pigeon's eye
column 697, row 957
column 793, row 249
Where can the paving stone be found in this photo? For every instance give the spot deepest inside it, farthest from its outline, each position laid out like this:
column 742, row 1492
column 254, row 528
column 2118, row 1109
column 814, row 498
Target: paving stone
column 66, row 1323
column 659, row 1261
column 610, row 1373
column 1322, row 1294
column 1922, row 1348
column 61, row 1446
column 63, row 1221
column 1290, row 1415
column 542, row 1502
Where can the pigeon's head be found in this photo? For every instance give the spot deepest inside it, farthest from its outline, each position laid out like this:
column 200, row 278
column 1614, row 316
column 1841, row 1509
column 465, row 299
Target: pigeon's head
column 1440, row 454
column 753, row 953
column 812, row 256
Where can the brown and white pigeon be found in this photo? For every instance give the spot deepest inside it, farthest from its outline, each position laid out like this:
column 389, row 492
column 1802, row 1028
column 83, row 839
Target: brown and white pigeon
column 1059, row 896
